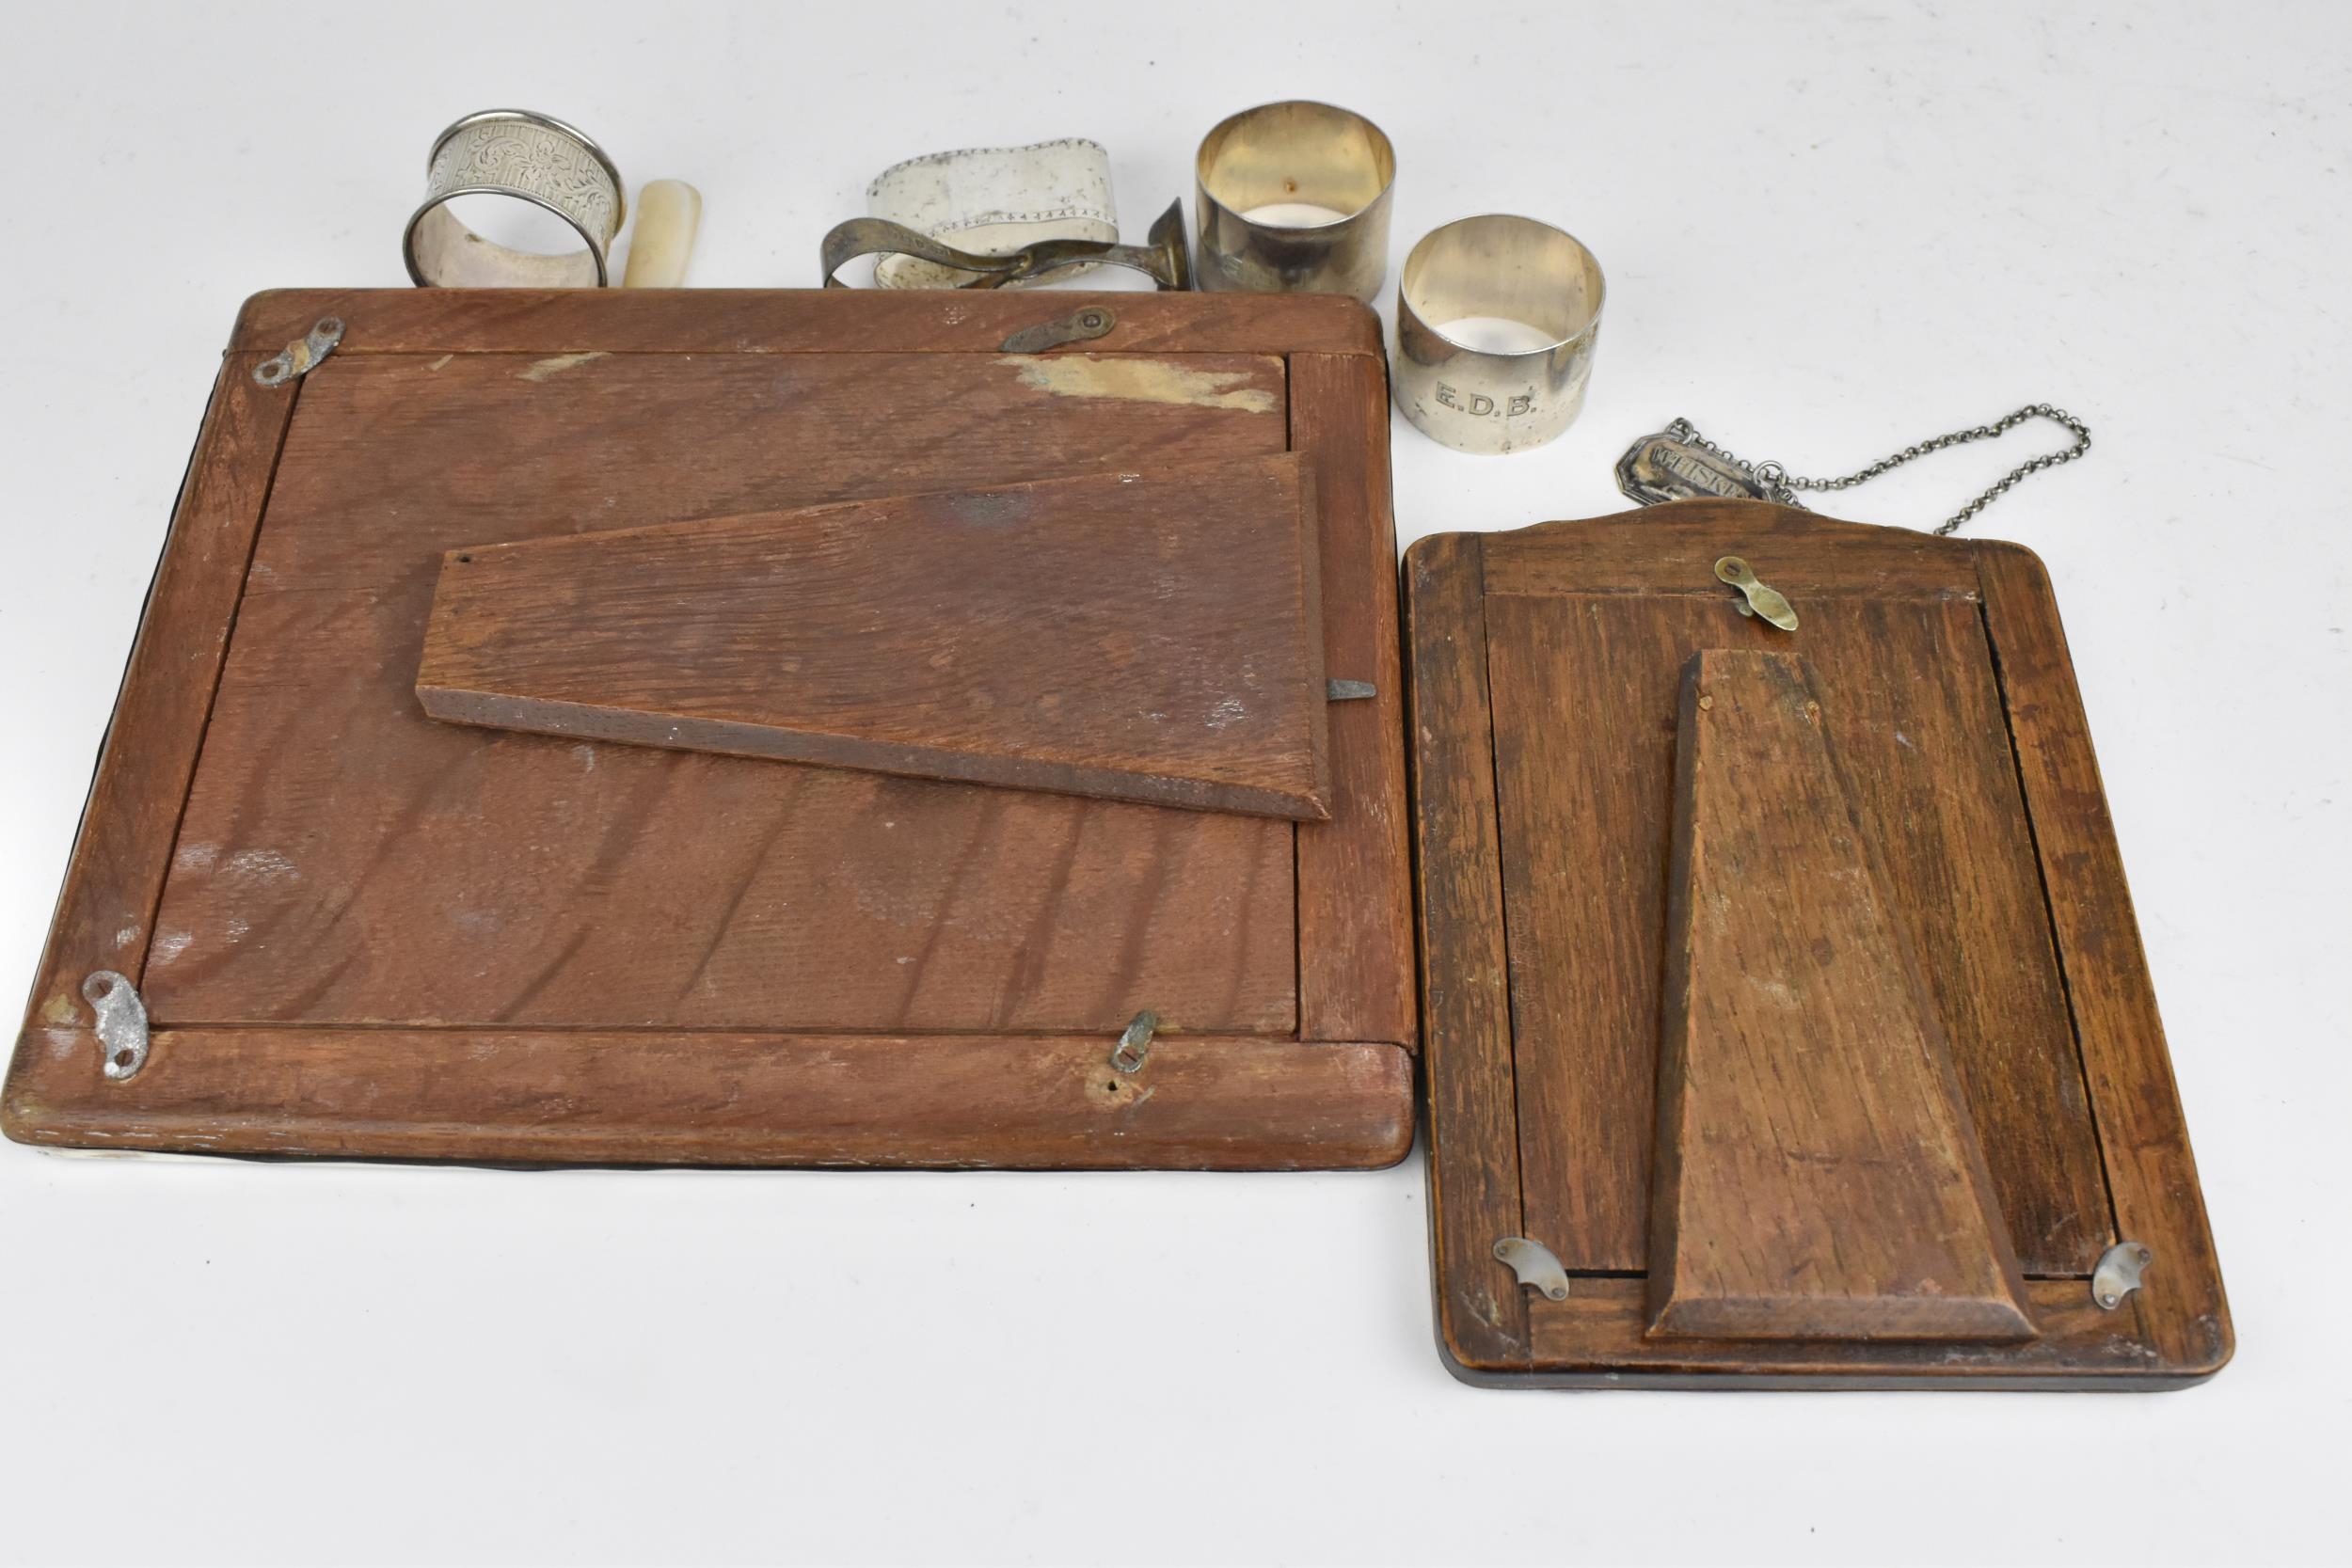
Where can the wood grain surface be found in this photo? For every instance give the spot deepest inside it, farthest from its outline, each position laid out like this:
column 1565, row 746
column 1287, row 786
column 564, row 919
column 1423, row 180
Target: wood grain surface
column 1152, row 636
column 2151, row 1171
column 1546, row 666
column 1816, row 1173
column 1594, row 1339
column 346, row 860
column 1354, row 888
column 1682, row 542
column 1585, row 687
column 106, row 911
column 605, row 1097
column 1474, row 1175
column 337, row 884
column 433, row 322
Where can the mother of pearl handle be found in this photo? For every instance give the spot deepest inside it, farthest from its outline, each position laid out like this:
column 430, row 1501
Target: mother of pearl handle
column 668, row 214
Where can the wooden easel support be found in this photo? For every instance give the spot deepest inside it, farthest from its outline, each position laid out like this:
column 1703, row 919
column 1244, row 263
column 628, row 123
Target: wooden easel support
column 1817, row 1175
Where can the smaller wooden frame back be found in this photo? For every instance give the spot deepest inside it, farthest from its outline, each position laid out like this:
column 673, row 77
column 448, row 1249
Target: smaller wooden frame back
column 1483, row 610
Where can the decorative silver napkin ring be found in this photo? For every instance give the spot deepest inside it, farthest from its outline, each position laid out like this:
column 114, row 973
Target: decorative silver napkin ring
column 531, row 157
column 1496, row 318
column 1292, row 197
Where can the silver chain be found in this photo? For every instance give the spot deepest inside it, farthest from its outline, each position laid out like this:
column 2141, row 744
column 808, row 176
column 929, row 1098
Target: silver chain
column 1781, row 484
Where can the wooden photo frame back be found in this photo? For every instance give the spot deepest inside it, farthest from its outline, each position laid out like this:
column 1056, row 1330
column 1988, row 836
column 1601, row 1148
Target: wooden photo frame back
column 1574, row 897
column 361, row 933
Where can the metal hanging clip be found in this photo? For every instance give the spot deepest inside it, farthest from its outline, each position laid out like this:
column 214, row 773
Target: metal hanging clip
column 1095, row 320
column 121, row 1022
column 1534, row 1264
column 2119, row 1272
column 302, row 356
column 1135, row 1042
column 1768, row 604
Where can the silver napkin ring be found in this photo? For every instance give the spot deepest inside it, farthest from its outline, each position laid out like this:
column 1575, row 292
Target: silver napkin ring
column 1164, row 257
column 1292, row 197
column 532, row 157
column 1496, row 318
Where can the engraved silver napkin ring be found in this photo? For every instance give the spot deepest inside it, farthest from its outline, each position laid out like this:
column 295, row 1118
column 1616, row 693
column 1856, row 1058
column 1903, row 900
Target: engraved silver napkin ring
column 1460, row 382
column 531, row 157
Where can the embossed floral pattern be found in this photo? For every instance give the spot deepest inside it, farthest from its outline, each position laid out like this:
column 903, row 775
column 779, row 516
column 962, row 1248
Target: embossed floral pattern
column 534, row 160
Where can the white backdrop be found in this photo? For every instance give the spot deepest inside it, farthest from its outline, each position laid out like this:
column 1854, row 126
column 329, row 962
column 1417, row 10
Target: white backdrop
column 1828, row 232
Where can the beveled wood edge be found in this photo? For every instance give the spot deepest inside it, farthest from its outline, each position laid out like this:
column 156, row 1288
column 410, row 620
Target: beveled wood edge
column 1673, row 517
column 2127, row 1068
column 1352, row 875
column 785, row 320
column 122, row 845
column 480, row 707
column 1674, row 547
column 1475, row 1182
column 1314, row 635
column 607, row 1096
column 1594, row 1339
column 1820, row 1383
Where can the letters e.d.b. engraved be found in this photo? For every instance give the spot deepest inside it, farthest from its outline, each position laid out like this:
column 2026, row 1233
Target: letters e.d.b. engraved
column 1479, row 405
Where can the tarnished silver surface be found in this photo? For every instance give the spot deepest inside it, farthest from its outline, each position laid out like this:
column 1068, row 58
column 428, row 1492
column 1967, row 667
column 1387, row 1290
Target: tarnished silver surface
column 1260, row 176
column 303, row 355
column 1134, row 1041
column 1164, row 256
column 1533, row 1264
column 1497, row 268
column 1095, row 320
column 121, row 1022
column 532, row 157
column 1766, row 604
column 1348, row 691
column 1668, row 467
column 2119, row 1272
